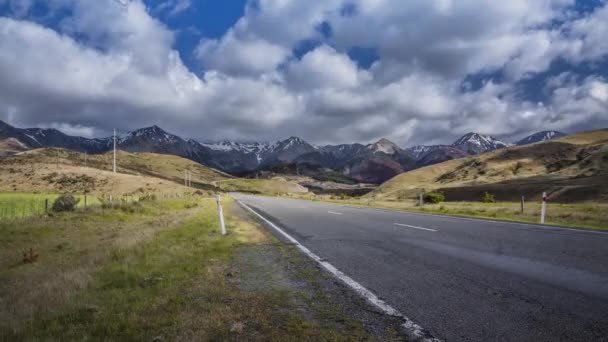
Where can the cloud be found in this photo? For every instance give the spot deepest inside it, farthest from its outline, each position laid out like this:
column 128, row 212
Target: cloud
column 113, row 64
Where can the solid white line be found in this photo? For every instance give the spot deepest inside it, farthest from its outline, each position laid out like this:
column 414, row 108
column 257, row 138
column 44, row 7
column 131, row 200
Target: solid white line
column 333, row 212
column 412, row 328
column 407, row 225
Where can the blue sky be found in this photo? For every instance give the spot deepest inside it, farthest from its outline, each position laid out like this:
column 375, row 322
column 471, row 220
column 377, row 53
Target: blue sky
column 332, row 72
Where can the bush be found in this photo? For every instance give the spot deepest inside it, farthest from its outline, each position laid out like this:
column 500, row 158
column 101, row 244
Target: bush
column 148, row 198
column 65, row 203
column 434, row 197
column 488, row 198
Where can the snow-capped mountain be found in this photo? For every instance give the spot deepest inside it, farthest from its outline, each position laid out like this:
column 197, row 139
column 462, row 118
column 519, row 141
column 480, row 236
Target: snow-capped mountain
column 433, row 154
column 475, row 143
column 540, row 136
column 419, row 151
column 373, row 163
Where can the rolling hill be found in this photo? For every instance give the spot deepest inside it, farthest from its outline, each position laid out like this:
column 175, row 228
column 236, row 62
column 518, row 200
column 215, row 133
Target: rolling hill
column 59, row 170
column 573, row 168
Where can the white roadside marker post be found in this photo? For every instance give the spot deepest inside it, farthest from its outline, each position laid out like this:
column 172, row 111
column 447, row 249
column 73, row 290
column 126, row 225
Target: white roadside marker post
column 421, row 202
column 221, row 214
column 543, row 210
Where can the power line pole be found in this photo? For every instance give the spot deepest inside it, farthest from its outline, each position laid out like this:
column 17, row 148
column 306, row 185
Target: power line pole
column 114, row 157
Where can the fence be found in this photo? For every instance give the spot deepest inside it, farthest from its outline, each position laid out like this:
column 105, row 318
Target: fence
column 15, row 206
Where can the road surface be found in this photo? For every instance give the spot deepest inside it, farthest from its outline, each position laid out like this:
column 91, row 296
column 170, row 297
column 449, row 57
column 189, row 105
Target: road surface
column 461, row 279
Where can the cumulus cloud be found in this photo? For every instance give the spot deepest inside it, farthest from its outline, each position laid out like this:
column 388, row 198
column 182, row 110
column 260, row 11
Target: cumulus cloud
column 113, row 64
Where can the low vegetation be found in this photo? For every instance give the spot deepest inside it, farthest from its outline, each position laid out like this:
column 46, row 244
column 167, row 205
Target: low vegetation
column 55, row 170
column 488, row 198
column 65, row 203
column 433, row 197
column 152, row 271
column 570, row 169
column 580, row 215
column 273, row 186
column 23, row 205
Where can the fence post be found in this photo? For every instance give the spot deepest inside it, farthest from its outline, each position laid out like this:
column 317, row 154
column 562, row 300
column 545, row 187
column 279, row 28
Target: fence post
column 421, row 202
column 85, row 200
column 221, row 214
column 46, row 206
column 523, row 200
column 543, row 210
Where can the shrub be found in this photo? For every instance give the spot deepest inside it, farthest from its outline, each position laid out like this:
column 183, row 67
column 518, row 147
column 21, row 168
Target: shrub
column 434, row 197
column 148, row 198
column 65, row 203
column 488, row 198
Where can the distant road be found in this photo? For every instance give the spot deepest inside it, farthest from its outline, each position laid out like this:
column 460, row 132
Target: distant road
column 461, row 279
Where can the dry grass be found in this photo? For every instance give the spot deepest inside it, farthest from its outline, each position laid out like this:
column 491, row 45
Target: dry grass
column 552, row 165
column 71, row 247
column 593, row 216
column 273, row 186
column 160, row 271
column 27, row 173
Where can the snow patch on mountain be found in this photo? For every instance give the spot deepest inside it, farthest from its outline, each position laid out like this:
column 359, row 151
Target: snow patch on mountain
column 540, row 137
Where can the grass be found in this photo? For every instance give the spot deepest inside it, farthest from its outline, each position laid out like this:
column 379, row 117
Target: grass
column 581, row 215
column 572, row 215
column 24, row 205
column 572, row 168
column 262, row 186
column 146, row 271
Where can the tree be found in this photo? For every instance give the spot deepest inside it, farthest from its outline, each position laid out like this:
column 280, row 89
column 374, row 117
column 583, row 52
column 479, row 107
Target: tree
column 65, row 203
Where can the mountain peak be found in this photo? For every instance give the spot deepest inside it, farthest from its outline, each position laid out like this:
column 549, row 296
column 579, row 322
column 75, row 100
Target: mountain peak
column 541, row 136
column 476, row 143
column 385, row 146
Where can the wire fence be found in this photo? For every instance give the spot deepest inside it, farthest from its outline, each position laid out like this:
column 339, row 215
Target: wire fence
column 23, row 206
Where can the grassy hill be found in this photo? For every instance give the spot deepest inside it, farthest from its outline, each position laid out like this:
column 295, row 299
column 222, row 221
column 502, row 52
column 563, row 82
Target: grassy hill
column 570, row 169
column 53, row 170
column 272, row 186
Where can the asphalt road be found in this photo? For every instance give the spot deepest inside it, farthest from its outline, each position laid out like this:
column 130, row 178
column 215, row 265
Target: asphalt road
column 461, row 279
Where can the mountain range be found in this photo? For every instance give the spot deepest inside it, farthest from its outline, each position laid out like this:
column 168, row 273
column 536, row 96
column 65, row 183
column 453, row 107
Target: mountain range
column 372, row 163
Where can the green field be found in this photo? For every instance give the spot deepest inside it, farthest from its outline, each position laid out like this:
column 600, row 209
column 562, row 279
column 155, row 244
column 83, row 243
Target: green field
column 21, row 205
column 24, row 205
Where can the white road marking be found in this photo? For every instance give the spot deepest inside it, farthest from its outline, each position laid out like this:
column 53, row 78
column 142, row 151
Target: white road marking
column 412, row 328
column 334, row 212
column 547, row 227
column 415, row 227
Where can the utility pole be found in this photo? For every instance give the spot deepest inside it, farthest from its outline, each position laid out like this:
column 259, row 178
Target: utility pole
column 114, row 157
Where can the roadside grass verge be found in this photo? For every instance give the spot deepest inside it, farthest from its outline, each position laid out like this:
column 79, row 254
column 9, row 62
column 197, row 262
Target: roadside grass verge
column 262, row 186
column 581, row 215
column 157, row 271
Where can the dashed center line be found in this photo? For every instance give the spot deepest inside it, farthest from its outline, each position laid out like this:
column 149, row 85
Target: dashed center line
column 415, row 227
column 334, row 213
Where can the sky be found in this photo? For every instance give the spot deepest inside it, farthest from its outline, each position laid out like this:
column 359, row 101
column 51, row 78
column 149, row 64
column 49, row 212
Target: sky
column 332, row 71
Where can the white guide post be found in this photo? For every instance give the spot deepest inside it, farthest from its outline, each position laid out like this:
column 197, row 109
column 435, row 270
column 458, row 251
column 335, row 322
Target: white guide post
column 421, row 202
column 221, row 214
column 543, row 210
column 114, row 156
